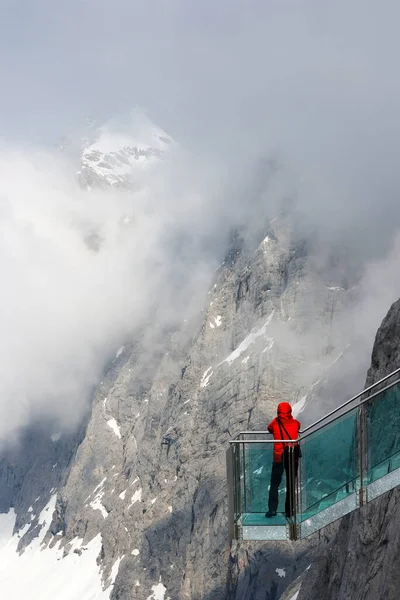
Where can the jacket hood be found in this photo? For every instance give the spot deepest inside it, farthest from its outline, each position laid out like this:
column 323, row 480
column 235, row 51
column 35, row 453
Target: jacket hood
column 284, row 410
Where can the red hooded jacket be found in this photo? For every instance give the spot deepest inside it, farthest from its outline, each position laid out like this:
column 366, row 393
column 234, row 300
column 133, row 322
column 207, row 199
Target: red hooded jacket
column 289, row 423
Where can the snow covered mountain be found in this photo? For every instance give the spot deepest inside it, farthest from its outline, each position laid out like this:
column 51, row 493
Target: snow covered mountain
column 116, row 157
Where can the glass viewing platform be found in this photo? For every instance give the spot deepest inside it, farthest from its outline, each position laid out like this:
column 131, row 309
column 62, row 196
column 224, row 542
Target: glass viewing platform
column 348, row 458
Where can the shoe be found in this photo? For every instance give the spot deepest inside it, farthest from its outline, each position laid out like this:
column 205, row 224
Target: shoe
column 270, row 513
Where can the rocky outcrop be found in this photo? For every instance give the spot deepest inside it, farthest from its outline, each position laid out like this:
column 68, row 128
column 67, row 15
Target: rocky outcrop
column 150, row 473
column 386, row 351
column 361, row 561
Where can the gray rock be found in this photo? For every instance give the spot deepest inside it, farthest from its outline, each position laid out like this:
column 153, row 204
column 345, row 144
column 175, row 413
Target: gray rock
column 176, row 419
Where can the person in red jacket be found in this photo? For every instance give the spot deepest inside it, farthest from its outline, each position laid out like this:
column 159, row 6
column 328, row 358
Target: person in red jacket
column 283, row 427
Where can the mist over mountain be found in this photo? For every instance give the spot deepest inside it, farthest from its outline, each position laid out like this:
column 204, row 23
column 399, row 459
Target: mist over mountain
column 222, row 232
column 148, row 297
column 130, row 239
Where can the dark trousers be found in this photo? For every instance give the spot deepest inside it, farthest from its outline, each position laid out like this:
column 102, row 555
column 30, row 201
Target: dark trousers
column 276, row 478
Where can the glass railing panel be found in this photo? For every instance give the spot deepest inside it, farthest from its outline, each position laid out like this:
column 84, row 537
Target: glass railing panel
column 382, row 415
column 237, row 481
column 255, row 478
column 329, row 473
column 231, row 459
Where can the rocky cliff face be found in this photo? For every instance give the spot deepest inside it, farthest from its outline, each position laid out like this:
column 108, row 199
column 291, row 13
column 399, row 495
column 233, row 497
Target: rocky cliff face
column 360, row 562
column 147, row 472
column 150, row 473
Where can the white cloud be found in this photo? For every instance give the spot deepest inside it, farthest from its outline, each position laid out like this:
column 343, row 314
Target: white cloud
column 64, row 307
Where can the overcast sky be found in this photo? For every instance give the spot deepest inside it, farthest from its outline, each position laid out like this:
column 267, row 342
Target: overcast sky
column 291, row 71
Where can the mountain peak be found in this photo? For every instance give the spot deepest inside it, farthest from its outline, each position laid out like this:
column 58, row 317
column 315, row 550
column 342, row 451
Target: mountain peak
column 122, row 149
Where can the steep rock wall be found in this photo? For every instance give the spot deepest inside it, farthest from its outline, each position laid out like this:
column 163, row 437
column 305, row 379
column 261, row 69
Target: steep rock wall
column 150, row 473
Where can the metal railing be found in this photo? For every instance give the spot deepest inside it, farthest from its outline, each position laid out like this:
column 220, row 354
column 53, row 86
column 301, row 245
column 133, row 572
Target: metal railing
column 322, row 421
column 245, row 438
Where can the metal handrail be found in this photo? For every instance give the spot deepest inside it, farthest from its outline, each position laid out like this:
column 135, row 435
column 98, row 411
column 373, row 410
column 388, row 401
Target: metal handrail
column 358, row 492
column 249, row 432
column 287, row 441
column 355, row 398
column 367, row 399
column 306, row 432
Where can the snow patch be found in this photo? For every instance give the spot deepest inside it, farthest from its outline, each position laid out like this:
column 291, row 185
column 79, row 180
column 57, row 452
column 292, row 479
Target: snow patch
column 212, row 326
column 298, row 406
column 137, row 497
column 135, row 552
column 114, row 570
column 46, row 572
column 281, row 572
column 244, row 361
column 112, row 423
column 74, row 544
column 206, row 377
column 25, row 528
column 97, row 505
column 122, row 495
column 100, row 485
column 295, row 596
column 55, row 437
column 158, row 592
column 120, row 351
column 250, row 339
column 153, row 501
column 218, row 321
